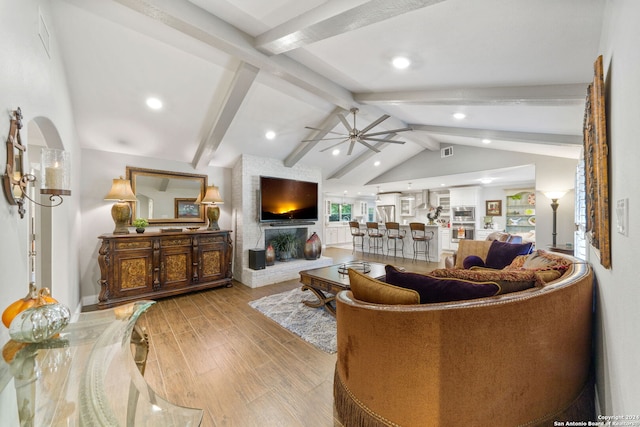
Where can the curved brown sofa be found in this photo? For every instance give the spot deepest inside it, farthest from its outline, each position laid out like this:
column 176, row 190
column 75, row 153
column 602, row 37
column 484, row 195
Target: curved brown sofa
column 508, row 360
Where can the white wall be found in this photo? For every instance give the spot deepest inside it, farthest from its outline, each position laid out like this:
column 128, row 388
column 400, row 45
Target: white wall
column 99, row 168
column 32, row 80
column 618, row 296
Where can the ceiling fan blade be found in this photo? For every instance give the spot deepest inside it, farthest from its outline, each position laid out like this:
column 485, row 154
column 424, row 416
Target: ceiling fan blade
column 393, row 141
column 353, row 142
column 345, row 122
column 387, row 131
column 369, row 146
column 323, row 130
column 375, row 123
column 323, row 139
column 334, row 145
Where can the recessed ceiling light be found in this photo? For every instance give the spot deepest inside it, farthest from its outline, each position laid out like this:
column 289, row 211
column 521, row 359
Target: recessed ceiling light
column 442, row 185
column 270, row 134
column 486, row 141
column 335, row 152
column 486, row 180
column 154, row 103
column 459, row 116
column 400, row 62
column 376, row 163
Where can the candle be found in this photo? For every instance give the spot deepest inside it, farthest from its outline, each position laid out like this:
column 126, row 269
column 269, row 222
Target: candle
column 54, row 178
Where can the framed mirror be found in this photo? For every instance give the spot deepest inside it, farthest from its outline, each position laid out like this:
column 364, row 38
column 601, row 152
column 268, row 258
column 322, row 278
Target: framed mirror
column 167, row 198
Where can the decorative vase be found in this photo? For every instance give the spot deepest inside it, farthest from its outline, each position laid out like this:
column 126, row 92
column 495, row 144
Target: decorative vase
column 313, row 247
column 140, row 230
column 270, row 255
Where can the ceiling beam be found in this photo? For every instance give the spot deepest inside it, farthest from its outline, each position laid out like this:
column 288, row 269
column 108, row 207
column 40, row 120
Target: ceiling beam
column 363, row 157
column 502, row 135
column 242, row 81
column 513, row 95
column 327, row 21
column 303, row 148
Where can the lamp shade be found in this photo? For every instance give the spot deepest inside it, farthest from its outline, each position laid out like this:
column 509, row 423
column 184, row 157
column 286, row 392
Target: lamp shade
column 555, row 194
column 121, row 190
column 212, row 196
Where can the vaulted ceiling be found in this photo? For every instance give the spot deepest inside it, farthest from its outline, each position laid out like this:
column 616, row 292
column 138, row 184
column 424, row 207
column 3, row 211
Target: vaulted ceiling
column 228, row 71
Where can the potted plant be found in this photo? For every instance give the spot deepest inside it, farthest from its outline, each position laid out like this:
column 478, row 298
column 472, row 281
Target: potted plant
column 286, row 245
column 140, row 224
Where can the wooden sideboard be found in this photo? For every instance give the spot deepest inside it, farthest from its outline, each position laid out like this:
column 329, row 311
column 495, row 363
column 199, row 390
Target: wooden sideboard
column 156, row 264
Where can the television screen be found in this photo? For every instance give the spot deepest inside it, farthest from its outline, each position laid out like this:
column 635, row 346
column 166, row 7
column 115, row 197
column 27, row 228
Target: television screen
column 288, row 200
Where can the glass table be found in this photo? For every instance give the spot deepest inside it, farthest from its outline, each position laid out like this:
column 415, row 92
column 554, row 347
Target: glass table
column 87, row 376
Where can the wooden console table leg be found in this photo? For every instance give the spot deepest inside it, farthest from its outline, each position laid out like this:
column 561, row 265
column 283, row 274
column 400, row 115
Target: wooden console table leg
column 323, row 301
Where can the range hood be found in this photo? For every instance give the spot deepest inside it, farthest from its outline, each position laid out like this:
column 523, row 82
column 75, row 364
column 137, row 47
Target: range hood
column 425, row 200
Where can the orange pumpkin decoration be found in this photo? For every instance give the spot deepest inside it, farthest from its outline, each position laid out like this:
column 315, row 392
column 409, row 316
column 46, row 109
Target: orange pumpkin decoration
column 34, row 298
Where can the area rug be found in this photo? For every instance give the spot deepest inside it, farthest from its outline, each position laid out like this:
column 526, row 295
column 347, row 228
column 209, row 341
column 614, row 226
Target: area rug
column 313, row 325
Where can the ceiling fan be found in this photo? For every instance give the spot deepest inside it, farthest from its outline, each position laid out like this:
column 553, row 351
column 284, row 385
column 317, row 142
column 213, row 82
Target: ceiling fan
column 354, row 135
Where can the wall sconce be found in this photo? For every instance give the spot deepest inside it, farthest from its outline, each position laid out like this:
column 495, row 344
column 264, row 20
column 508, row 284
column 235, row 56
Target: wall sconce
column 121, row 211
column 212, row 198
column 554, row 196
column 55, row 169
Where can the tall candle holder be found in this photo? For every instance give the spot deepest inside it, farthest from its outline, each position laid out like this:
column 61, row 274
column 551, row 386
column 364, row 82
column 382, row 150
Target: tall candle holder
column 55, row 168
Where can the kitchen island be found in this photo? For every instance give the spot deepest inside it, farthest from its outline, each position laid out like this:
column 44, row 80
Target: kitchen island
column 434, row 247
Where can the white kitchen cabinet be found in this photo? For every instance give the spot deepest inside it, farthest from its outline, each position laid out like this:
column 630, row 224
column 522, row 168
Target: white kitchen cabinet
column 407, row 206
column 331, row 235
column 445, row 238
column 465, row 196
column 363, row 209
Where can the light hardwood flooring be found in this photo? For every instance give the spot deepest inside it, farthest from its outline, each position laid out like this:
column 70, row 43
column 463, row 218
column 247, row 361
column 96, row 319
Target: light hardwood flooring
column 211, row 350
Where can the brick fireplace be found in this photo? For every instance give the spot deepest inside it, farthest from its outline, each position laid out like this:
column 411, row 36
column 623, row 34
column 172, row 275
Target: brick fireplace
column 251, row 234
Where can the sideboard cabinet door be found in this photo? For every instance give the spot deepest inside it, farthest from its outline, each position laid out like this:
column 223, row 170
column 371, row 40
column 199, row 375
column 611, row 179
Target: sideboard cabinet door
column 214, row 258
column 175, row 262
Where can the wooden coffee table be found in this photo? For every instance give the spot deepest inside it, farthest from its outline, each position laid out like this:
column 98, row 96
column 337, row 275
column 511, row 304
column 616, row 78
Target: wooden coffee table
column 333, row 279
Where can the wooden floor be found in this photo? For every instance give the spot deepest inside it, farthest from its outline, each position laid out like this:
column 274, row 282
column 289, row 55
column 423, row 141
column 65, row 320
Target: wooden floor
column 211, row 350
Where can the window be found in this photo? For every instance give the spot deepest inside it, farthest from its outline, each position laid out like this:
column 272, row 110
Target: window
column 340, row 212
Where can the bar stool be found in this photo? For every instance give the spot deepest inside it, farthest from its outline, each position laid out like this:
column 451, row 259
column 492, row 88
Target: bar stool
column 419, row 234
column 355, row 233
column 395, row 235
column 375, row 237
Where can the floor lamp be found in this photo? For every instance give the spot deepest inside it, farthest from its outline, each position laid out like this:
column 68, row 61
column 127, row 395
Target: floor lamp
column 554, row 196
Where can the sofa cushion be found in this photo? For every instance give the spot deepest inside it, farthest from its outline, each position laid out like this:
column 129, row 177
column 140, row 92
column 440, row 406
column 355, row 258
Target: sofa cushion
column 472, row 261
column 368, row 289
column 434, row 289
column 508, row 280
column 501, row 254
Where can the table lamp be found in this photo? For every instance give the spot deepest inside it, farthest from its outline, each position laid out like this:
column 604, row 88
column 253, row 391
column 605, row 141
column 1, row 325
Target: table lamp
column 121, row 211
column 212, row 198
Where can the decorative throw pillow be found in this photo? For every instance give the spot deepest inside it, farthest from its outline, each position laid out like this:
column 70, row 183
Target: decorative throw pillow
column 472, row 261
column 501, row 254
column 517, row 263
column 509, row 280
column 433, row 289
column 543, row 260
column 546, row 276
column 368, row 289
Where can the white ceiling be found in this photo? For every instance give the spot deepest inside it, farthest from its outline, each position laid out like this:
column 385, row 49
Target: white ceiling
column 228, row 71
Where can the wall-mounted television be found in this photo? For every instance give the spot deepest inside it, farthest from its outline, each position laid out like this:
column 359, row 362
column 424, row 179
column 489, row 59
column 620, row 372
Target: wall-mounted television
column 284, row 199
